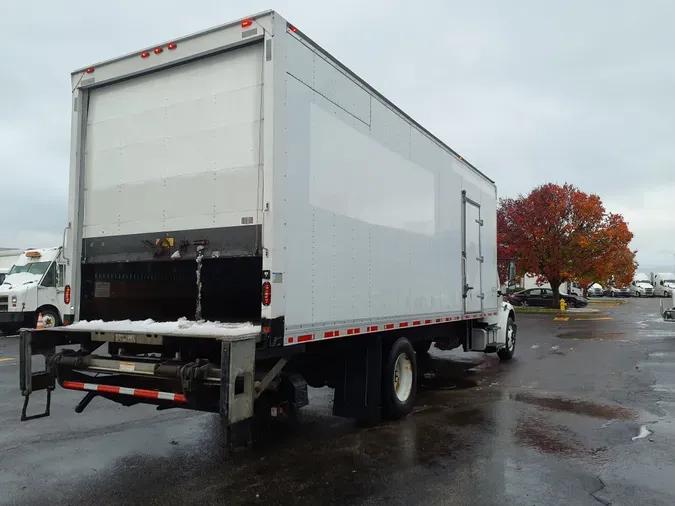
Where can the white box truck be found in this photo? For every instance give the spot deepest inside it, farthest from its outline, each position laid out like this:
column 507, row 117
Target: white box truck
column 663, row 283
column 35, row 285
column 247, row 217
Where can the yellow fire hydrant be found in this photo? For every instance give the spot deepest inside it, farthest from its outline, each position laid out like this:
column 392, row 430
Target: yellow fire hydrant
column 563, row 305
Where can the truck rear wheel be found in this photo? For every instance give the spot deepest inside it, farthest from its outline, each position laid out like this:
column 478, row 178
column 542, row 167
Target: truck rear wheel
column 399, row 382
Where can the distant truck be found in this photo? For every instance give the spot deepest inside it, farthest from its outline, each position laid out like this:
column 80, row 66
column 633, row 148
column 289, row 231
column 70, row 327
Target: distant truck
column 7, row 259
column 256, row 219
column 663, row 283
column 35, row 284
column 641, row 286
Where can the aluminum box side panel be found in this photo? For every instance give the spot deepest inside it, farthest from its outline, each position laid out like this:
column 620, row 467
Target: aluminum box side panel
column 373, row 226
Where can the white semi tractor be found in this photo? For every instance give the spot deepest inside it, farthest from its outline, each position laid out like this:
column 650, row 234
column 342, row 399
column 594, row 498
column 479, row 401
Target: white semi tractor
column 247, row 217
column 663, row 283
column 36, row 284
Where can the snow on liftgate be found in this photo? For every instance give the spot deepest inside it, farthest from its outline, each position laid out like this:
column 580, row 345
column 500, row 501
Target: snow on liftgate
column 209, row 180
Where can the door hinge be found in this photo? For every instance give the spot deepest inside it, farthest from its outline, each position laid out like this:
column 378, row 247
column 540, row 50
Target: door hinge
column 480, row 259
column 481, row 296
column 480, row 222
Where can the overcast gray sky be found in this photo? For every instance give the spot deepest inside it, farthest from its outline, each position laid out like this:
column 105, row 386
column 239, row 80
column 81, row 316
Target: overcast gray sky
column 529, row 91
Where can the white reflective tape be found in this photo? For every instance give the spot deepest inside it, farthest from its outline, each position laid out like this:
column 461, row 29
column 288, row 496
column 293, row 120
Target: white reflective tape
column 90, row 386
column 127, row 391
column 166, row 396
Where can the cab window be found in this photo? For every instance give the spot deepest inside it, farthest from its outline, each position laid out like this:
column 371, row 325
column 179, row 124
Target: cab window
column 61, row 279
column 49, row 281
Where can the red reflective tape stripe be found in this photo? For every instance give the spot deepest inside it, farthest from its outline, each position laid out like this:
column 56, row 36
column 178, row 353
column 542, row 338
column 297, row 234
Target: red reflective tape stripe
column 373, row 328
column 306, row 337
column 438, row 320
column 448, row 319
column 427, row 322
column 389, row 326
column 417, row 322
column 403, row 324
column 73, row 384
column 330, row 333
column 290, row 340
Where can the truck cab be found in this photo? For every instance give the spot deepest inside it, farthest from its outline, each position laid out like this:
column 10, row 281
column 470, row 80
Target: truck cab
column 663, row 283
column 641, row 287
column 3, row 274
column 35, row 285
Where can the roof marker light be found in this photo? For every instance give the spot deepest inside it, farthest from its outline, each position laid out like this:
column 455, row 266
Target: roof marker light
column 158, row 50
column 90, row 70
column 171, row 46
column 246, row 22
column 145, row 54
column 292, row 28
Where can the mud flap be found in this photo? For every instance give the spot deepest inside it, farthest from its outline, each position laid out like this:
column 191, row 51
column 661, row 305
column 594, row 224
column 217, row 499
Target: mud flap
column 358, row 390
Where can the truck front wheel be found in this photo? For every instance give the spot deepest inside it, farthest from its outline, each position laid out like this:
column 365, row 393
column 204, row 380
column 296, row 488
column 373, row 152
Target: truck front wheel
column 506, row 353
column 50, row 318
column 399, row 382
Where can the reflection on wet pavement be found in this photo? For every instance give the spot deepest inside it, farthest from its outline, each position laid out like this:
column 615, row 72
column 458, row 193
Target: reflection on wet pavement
column 576, row 406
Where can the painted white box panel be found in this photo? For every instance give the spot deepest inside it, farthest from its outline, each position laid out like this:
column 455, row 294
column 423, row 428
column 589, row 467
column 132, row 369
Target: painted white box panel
column 381, row 206
column 176, row 145
column 360, row 179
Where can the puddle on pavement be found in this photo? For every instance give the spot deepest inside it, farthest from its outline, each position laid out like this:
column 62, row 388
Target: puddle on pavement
column 586, row 334
column 578, row 407
column 536, row 433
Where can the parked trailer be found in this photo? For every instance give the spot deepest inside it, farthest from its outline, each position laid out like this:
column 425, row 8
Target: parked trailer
column 243, row 175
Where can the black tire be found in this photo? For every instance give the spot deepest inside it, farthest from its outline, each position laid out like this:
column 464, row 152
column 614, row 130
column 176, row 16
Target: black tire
column 638, row 294
column 572, row 304
column 422, row 347
column 48, row 315
column 393, row 407
column 507, row 352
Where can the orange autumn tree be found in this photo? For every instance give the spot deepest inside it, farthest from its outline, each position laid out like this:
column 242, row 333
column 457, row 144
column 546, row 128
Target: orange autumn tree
column 560, row 233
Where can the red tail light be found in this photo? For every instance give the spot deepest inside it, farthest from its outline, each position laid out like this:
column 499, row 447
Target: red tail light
column 266, row 293
column 246, row 22
column 158, row 50
column 145, row 54
column 66, row 295
column 90, row 70
column 172, row 46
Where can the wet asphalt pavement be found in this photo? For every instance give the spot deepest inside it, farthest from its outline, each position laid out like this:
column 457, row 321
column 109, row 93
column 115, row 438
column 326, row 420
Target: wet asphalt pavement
column 553, row 426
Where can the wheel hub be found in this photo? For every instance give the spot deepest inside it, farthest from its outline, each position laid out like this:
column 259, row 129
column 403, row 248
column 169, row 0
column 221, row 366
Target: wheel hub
column 48, row 321
column 403, row 377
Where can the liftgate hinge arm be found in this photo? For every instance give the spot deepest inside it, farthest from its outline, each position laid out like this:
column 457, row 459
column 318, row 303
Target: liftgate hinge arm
column 261, row 386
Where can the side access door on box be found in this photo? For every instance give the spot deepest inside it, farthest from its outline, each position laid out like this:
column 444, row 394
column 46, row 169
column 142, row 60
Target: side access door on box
column 472, row 259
